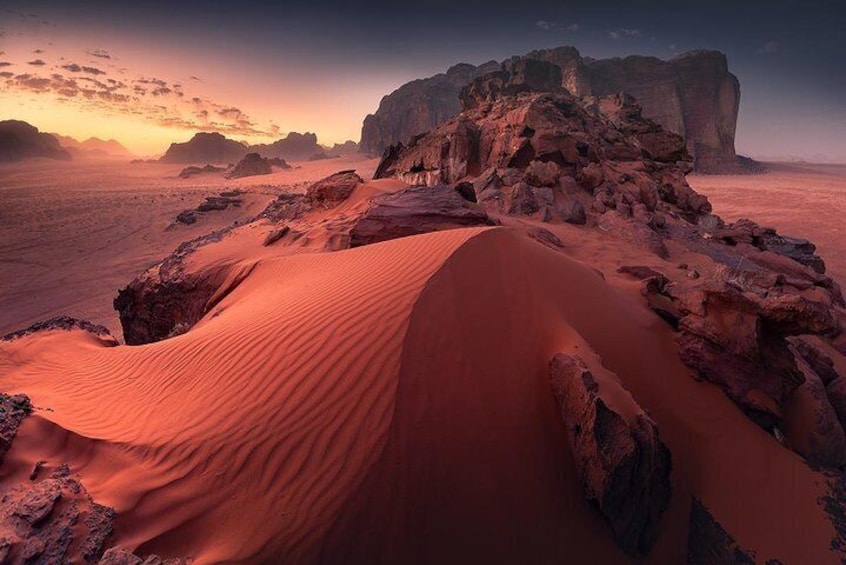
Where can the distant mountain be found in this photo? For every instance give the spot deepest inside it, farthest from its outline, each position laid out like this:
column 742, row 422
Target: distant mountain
column 93, row 147
column 206, row 148
column 293, row 147
column 19, row 140
column 347, row 148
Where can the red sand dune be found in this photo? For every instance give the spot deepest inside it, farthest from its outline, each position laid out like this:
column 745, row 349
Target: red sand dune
column 391, row 403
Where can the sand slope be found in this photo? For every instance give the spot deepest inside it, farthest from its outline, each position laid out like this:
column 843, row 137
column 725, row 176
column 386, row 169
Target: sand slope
column 391, row 404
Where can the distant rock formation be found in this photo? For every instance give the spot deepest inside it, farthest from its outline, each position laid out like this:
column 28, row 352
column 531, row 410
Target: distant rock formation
column 293, row 147
column 205, row 148
column 693, row 95
column 19, row 140
column 93, row 147
column 193, row 171
column 251, row 165
column 348, row 147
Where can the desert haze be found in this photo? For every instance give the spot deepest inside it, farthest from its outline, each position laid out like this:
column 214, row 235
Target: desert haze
column 544, row 310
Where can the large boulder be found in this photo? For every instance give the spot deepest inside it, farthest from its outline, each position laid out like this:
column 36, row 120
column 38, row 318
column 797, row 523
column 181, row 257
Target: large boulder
column 334, row 189
column 413, row 211
column 622, row 463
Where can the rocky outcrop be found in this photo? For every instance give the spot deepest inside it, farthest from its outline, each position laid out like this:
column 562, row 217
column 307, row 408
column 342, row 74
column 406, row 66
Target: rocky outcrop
column 251, row 165
column 223, row 201
column 693, row 95
column 417, row 107
column 293, row 147
column 708, row 542
column 122, row 556
column 554, row 157
column 413, row 211
column 19, row 140
column 334, row 189
column 623, row 465
column 193, row 171
column 13, row 410
column 64, row 323
column 205, row 148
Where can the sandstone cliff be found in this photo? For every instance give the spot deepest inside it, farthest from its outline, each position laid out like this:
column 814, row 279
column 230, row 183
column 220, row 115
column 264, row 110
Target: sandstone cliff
column 693, row 95
column 19, row 140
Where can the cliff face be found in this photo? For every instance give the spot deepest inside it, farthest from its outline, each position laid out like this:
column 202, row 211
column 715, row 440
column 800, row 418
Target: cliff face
column 418, row 106
column 19, row 140
column 693, row 95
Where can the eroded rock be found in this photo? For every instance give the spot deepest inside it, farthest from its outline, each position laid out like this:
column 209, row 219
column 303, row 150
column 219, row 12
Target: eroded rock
column 623, row 465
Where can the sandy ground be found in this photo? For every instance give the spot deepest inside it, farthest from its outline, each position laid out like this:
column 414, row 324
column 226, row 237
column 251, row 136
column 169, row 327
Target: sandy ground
column 807, row 201
column 72, row 234
column 390, row 403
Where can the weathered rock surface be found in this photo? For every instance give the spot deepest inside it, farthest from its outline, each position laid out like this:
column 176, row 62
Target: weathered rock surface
column 205, row 148
column 554, row 157
column 193, row 171
column 333, row 190
column 53, row 520
column 122, row 556
column 13, row 410
column 413, row 211
column 66, row 323
column 251, row 165
column 708, row 543
column 622, row 463
column 693, row 95
column 19, row 140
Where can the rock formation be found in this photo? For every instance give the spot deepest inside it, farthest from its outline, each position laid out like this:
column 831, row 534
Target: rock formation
column 693, row 95
column 623, row 464
column 205, row 148
column 193, row 171
column 251, row 165
column 19, row 140
column 293, row 147
column 93, row 147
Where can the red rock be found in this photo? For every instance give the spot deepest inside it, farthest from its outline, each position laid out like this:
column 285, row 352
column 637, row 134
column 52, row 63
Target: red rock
column 623, row 465
column 412, row 211
column 334, row 189
column 251, row 165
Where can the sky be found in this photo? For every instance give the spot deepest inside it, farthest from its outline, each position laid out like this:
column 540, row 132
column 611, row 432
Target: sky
column 150, row 73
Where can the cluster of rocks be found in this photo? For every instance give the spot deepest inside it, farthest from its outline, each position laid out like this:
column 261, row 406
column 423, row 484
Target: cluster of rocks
column 193, row 171
column 693, row 95
column 52, row 518
column 254, row 164
column 226, row 199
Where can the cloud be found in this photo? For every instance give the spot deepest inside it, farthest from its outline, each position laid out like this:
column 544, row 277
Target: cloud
column 74, row 68
column 192, row 77
column 38, row 51
column 36, row 63
column 573, row 27
column 100, row 53
column 624, row 32
column 544, row 25
column 5, row 64
column 769, row 47
column 7, row 74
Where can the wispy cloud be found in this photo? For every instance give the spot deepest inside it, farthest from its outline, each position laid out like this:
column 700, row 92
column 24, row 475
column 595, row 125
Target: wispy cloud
column 624, row 32
column 547, row 25
column 544, row 25
column 153, row 99
column 36, row 63
column 100, row 53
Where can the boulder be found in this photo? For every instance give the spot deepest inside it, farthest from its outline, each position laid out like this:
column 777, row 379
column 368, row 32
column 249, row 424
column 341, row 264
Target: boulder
column 413, row 211
column 332, row 190
column 13, row 410
column 622, row 463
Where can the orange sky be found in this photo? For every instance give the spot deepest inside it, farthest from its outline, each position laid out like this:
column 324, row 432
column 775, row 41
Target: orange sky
column 99, row 84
